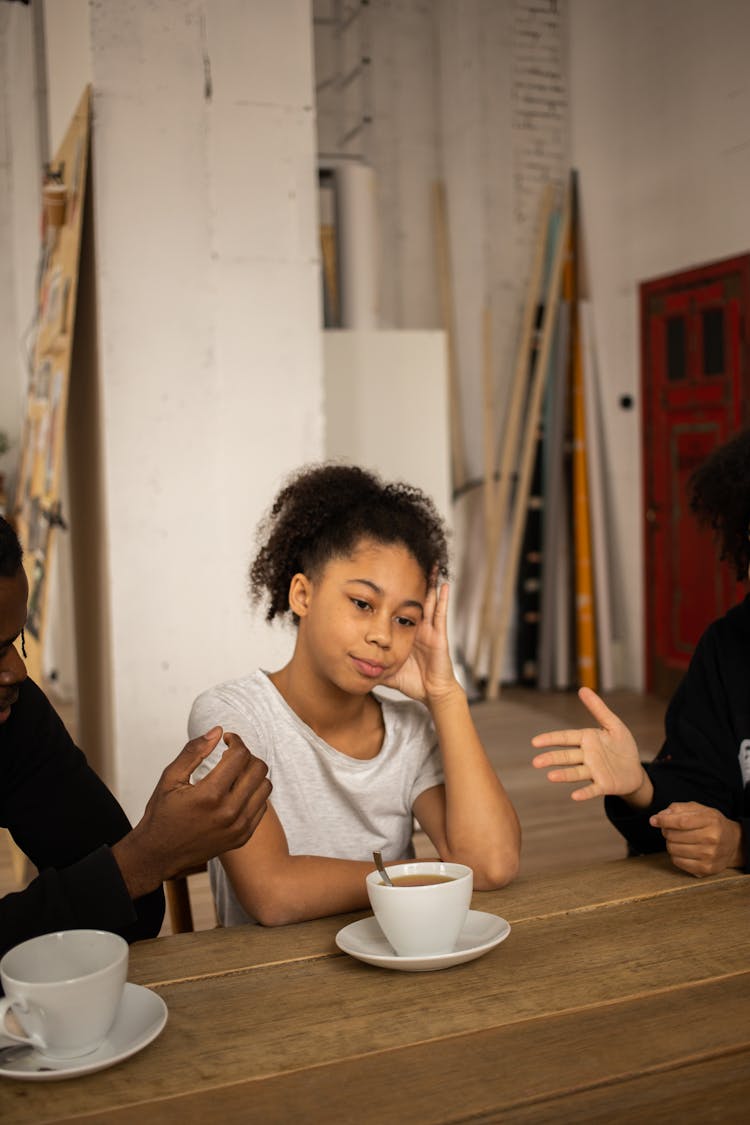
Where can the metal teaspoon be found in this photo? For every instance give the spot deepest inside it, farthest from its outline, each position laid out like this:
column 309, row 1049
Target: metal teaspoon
column 378, row 857
column 14, row 1051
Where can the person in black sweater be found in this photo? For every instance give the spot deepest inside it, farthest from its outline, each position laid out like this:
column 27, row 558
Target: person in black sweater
column 94, row 869
column 694, row 798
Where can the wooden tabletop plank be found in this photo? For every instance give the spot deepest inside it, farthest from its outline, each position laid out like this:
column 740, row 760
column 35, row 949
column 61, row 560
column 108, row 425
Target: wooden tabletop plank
column 708, row 1090
column 217, row 952
column 601, row 1063
column 618, row 881
column 276, row 1019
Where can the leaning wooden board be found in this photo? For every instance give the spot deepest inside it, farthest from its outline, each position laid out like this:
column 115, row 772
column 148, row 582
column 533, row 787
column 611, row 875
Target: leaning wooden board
column 527, row 456
column 585, row 609
column 37, row 502
column 512, row 431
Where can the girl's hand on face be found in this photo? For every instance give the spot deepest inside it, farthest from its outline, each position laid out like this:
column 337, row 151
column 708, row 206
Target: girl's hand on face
column 427, row 673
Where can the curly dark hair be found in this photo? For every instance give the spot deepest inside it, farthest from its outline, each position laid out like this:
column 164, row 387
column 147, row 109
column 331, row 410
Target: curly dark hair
column 11, row 553
column 323, row 512
column 719, row 491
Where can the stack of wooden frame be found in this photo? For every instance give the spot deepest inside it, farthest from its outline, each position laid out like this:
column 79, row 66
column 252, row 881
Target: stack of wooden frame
column 544, row 571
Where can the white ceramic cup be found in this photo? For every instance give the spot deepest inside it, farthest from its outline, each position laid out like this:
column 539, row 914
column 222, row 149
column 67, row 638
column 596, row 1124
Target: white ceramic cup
column 421, row 921
column 63, row 990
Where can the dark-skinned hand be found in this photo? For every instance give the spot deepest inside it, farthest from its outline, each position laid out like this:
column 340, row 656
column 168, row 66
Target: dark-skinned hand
column 183, row 824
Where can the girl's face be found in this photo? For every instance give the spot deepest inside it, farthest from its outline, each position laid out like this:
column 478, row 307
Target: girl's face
column 359, row 617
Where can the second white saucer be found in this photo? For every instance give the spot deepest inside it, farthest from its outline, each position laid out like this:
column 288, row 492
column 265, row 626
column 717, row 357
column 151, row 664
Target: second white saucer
column 365, row 941
column 140, row 1018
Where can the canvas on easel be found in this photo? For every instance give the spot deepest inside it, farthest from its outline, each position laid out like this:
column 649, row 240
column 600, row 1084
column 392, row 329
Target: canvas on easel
column 37, row 509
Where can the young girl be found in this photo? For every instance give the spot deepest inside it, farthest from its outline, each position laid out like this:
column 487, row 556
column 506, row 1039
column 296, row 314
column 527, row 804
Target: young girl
column 356, row 564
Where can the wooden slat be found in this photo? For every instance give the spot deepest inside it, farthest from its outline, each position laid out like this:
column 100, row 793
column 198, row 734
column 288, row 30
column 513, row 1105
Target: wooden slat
column 614, row 883
column 42, row 457
column 213, row 953
column 580, row 965
column 580, row 1066
column 596, row 469
column 554, row 638
column 513, row 424
column 714, row 1089
column 528, row 450
column 489, row 436
column 585, row 608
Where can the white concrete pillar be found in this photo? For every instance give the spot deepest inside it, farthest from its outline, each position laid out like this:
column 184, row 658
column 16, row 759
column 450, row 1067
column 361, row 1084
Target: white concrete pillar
column 209, row 382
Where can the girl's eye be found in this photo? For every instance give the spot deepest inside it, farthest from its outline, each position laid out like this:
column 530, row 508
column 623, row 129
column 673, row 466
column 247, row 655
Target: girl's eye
column 360, row 603
column 407, row 621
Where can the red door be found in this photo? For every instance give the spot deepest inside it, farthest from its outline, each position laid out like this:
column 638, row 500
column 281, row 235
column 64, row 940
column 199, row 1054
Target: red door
column 695, row 396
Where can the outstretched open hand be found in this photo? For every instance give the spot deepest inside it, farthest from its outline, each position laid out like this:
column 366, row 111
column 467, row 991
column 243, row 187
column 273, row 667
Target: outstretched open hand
column 427, row 673
column 606, row 759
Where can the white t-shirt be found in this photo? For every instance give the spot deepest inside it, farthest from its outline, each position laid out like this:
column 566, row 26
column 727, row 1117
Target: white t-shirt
column 328, row 803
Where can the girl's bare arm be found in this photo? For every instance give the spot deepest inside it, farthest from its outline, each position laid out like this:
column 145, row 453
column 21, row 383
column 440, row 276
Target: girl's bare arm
column 277, row 888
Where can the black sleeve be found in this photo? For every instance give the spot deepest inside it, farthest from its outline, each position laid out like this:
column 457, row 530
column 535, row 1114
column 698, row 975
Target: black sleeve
column 698, row 760
column 63, row 817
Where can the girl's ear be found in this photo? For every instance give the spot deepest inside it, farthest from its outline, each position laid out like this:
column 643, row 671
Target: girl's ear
column 300, row 589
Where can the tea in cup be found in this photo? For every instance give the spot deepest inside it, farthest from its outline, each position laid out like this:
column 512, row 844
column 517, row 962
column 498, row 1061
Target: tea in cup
column 63, row 989
column 423, row 913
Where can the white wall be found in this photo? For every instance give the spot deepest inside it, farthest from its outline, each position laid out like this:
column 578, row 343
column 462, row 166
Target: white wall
column 209, row 343
column 660, row 118
column 473, row 92
column 68, row 62
column 387, row 407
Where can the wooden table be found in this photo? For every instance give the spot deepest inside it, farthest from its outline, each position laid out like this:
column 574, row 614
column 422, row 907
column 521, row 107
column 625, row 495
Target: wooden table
column 622, row 993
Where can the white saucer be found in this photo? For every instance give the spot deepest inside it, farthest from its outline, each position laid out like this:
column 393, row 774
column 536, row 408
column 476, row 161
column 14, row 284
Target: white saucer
column 140, row 1017
column 365, row 941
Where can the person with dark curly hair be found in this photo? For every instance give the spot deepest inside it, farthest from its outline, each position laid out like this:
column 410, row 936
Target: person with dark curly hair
column 356, row 565
column 693, row 799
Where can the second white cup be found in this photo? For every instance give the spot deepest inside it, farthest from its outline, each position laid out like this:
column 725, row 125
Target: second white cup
column 64, row 990
column 422, row 920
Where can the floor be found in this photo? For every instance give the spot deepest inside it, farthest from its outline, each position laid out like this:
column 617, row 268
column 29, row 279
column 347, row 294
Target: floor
column 557, row 832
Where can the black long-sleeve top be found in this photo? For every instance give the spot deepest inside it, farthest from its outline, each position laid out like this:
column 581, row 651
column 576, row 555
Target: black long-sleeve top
column 706, row 752
column 65, row 820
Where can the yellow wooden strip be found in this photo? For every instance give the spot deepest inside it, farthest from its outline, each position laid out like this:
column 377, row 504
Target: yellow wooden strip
column 585, row 610
column 586, row 644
